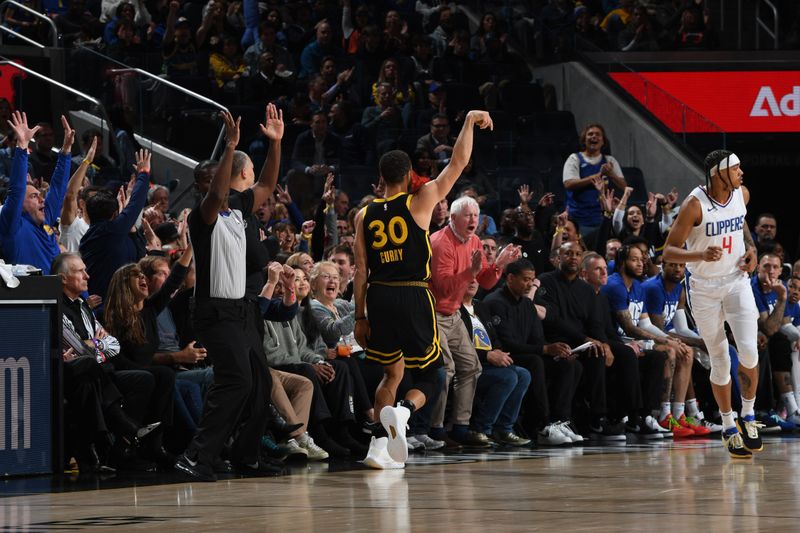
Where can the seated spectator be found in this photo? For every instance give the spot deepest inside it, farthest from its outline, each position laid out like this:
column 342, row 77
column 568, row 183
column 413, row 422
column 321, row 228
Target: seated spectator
column 436, row 105
column 444, row 31
column 584, row 172
column 401, row 93
column 131, row 313
column 530, row 239
column 766, row 228
column 395, row 31
column 313, row 54
column 422, row 57
column 587, row 28
column 693, row 33
column 109, row 243
column 455, row 64
column 771, row 296
column 179, row 51
column 267, row 42
column 612, row 245
column 227, row 66
column 438, row 142
column 633, row 220
column 383, row 122
column 265, row 85
column 502, row 64
column 109, row 9
column 27, row 220
column 102, row 399
column 288, row 349
column 439, row 217
column 502, row 385
column 487, row 26
column 316, row 154
column 77, row 25
column 555, row 371
column 639, row 35
column 353, row 27
column 334, row 319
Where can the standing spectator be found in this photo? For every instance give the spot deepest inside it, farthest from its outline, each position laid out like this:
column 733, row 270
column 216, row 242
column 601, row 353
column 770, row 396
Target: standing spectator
column 111, row 240
column 268, row 43
column 316, row 154
column 401, row 93
column 529, row 239
column 72, row 223
column 457, row 258
column 27, row 221
column 584, row 172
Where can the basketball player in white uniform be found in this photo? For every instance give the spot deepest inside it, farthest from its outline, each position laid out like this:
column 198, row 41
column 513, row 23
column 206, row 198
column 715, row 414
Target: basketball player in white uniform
column 719, row 253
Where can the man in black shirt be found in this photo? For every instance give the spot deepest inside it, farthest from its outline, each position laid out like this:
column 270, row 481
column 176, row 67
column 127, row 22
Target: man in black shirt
column 516, row 320
column 527, row 237
column 571, row 318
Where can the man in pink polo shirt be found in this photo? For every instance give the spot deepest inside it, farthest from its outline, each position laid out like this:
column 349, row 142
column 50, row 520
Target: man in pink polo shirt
column 458, row 259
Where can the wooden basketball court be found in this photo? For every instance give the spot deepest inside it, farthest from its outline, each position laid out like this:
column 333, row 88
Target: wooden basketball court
column 682, row 486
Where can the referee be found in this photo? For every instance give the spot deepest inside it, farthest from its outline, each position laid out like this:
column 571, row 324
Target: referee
column 221, row 317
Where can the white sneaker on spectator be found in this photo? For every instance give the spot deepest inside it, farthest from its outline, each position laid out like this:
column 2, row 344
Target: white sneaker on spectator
column 552, row 435
column 429, row 443
column 572, row 435
column 394, row 420
column 378, row 456
column 315, row 453
column 653, row 424
column 794, row 418
column 294, row 450
column 711, row 426
column 414, row 444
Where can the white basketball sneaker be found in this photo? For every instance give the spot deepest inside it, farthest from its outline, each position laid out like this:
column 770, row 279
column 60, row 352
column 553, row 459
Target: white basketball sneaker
column 378, row 457
column 394, row 420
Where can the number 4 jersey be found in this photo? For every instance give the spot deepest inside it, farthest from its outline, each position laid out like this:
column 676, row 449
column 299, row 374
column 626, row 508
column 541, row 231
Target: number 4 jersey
column 397, row 248
column 723, row 226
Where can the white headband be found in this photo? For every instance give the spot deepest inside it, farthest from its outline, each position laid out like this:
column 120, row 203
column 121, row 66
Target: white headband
column 729, row 161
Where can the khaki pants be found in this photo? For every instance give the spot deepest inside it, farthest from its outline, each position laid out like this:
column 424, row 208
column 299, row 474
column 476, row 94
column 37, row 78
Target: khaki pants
column 462, row 367
column 291, row 395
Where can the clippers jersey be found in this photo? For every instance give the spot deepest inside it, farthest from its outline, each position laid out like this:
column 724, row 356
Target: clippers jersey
column 398, row 249
column 723, row 226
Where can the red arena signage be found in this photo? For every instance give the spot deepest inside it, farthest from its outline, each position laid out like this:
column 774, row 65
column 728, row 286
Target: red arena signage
column 742, row 101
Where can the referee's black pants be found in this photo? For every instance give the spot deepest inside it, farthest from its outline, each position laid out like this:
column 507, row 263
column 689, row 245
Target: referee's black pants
column 239, row 393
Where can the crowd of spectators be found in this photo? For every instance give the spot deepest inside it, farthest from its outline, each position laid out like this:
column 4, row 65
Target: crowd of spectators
column 557, row 326
column 562, row 323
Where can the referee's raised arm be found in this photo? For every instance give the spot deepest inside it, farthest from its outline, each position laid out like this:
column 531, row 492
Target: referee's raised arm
column 217, row 194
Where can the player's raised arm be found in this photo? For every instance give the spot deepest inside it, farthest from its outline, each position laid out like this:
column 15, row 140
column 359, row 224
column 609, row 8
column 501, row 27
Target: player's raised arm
column 689, row 216
column 432, row 192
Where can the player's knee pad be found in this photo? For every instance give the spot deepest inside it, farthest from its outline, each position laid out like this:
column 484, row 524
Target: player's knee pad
column 426, row 380
column 720, row 369
column 748, row 356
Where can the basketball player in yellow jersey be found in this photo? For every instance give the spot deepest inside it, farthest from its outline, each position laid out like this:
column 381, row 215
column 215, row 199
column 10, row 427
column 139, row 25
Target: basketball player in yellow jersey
column 719, row 254
column 395, row 318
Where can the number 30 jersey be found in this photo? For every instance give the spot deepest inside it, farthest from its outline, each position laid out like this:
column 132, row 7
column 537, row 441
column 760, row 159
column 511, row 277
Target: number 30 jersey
column 398, row 249
column 723, row 226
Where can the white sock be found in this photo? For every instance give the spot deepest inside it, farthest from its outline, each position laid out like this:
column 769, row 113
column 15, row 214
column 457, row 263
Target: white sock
column 728, row 421
column 790, row 402
column 691, row 407
column 677, row 409
column 747, row 407
column 665, row 410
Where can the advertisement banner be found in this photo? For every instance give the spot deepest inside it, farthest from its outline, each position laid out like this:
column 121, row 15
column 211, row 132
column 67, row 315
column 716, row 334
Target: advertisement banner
column 25, row 389
column 735, row 102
